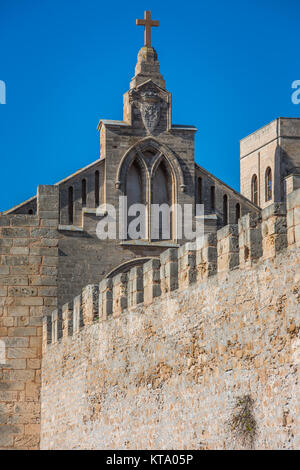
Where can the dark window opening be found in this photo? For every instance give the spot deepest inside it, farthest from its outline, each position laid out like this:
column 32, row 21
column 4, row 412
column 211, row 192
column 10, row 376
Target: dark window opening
column 97, row 198
column 225, row 210
column 212, row 198
column 161, row 227
column 199, row 191
column 254, row 192
column 237, row 212
column 70, row 206
column 134, row 193
column 268, row 184
column 83, row 192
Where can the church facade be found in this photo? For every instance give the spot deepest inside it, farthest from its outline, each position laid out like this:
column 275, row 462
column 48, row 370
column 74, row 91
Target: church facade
column 50, row 250
column 151, row 161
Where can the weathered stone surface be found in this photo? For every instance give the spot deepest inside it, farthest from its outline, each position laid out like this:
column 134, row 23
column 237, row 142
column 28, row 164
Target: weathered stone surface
column 181, row 363
column 27, row 293
column 177, row 360
column 261, row 150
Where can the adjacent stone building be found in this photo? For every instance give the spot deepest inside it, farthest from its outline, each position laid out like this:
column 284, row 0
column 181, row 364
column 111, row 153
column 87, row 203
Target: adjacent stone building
column 270, row 162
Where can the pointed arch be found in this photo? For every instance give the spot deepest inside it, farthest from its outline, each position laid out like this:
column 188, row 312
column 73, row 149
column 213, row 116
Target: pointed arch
column 131, row 156
column 162, row 159
column 149, row 144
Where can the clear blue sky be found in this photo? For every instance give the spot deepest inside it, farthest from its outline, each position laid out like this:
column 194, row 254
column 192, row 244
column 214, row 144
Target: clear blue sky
column 66, row 64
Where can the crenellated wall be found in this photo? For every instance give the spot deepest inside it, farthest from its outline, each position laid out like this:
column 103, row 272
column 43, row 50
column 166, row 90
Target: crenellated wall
column 158, row 358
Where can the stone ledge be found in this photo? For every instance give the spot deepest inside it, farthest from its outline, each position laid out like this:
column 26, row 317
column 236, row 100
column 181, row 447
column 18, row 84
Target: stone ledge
column 164, row 244
column 70, row 228
column 94, row 211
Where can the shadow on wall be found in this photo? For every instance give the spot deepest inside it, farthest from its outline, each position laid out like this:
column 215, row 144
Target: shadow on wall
column 125, row 267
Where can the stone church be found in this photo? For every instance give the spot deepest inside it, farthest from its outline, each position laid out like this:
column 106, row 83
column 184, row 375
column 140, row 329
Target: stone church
column 151, row 160
column 49, row 247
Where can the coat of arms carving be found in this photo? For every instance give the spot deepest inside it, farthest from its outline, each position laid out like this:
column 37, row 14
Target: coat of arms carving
column 151, row 103
column 150, row 107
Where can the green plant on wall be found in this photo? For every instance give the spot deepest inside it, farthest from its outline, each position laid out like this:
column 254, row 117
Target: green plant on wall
column 243, row 424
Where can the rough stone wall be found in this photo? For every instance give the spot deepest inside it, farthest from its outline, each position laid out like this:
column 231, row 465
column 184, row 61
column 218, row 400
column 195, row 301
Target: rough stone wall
column 28, row 276
column 219, row 325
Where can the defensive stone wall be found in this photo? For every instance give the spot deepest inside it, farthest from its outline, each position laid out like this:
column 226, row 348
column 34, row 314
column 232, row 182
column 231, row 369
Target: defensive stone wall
column 199, row 349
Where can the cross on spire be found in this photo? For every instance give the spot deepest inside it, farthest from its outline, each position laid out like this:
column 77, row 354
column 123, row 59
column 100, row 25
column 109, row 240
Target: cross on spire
column 148, row 23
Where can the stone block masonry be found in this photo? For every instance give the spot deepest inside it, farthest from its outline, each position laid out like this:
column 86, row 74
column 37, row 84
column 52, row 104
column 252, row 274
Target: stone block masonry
column 28, row 291
column 169, row 368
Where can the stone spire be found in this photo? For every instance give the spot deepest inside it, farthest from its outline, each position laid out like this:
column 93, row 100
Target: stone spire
column 147, row 68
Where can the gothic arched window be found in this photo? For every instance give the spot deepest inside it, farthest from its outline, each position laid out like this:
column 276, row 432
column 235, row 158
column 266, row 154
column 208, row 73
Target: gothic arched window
column 225, row 209
column 268, row 184
column 254, row 192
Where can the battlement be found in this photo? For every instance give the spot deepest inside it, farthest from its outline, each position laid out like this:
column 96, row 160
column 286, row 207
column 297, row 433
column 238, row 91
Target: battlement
column 254, row 238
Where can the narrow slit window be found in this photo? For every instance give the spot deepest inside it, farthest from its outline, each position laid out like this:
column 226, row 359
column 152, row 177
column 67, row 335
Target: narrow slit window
column 268, row 184
column 212, row 198
column 83, row 192
column 254, row 192
column 199, row 191
column 237, row 213
column 97, row 185
column 70, row 205
column 225, row 209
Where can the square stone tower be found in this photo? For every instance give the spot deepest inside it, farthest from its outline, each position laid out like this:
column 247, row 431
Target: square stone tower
column 270, row 162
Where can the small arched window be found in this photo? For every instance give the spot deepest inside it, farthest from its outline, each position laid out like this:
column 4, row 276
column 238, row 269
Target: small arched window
column 30, row 212
column 83, row 192
column 70, row 205
column 225, row 209
column 268, row 184
column 254, row 192
column 212, row 198
column 237, row 213
column 97, row 185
